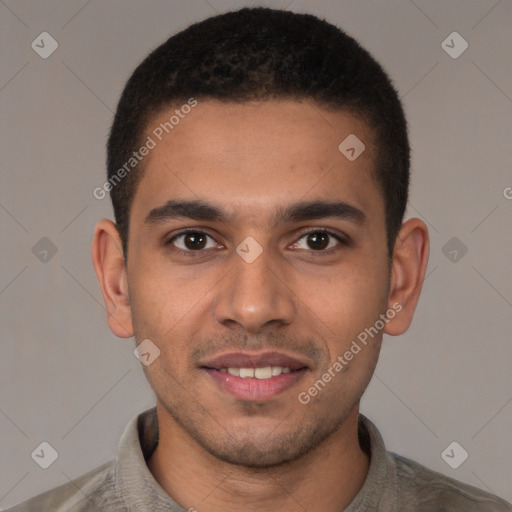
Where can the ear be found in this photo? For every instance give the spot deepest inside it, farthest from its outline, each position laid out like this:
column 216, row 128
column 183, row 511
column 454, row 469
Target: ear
column 409, row 264
column 108, row 261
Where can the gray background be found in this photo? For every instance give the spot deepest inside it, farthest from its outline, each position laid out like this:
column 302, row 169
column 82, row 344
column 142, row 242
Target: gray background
column 65, row 379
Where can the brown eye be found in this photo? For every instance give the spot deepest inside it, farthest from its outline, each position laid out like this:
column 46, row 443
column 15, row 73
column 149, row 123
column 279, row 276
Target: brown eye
column 192, row 241
column 318, row 240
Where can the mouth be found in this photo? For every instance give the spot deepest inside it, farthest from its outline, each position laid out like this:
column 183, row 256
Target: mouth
column 255, row 377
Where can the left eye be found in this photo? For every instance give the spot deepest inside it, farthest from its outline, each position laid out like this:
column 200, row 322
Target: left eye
column 318, row 240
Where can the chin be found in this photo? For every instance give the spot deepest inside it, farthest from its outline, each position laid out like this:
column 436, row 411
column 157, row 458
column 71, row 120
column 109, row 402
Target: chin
column 266, row 450
column 256, row 457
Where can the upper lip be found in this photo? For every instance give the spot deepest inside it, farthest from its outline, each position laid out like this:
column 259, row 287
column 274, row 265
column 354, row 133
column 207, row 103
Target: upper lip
column 253, row 360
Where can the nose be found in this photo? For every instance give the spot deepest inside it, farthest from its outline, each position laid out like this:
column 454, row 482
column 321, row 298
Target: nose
column 254, row 295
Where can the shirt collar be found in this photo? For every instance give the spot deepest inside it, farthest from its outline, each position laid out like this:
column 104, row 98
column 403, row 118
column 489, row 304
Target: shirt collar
column 369, row 496
column 135, row 484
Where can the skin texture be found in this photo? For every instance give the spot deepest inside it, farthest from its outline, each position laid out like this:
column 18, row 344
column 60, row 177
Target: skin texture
column 218, row 452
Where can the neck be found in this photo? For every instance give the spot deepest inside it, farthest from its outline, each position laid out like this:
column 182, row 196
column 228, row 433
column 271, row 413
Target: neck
column 327, row 478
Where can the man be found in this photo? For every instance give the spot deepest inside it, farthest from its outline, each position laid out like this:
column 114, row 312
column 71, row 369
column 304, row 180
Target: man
column 258, row 166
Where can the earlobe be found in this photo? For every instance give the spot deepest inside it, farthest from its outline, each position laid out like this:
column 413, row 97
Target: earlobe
column 108, row 261
column 410, row 259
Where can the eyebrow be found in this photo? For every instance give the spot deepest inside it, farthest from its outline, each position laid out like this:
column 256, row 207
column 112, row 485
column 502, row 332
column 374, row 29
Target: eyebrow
column 304, row 210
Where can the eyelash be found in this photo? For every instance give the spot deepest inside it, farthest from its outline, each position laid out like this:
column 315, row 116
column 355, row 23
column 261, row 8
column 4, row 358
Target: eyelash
column 192, row 254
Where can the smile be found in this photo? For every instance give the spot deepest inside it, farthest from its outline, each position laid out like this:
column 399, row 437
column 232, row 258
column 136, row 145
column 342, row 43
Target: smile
column 264, row 372
column 255, row 377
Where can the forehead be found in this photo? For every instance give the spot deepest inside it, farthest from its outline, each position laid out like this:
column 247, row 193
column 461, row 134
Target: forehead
column 251, row 156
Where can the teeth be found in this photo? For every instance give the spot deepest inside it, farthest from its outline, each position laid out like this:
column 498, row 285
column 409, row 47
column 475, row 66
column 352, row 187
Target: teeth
column 246, row 373
column 262, row 373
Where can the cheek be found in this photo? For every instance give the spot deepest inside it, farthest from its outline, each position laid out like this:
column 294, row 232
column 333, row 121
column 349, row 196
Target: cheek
column 346, row 312
column 169, row 309
column 157, row 305
column 351, row 300
column 166, row 291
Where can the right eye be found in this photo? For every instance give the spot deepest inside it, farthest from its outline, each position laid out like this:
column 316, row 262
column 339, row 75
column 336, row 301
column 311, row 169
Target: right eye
column 190, row 241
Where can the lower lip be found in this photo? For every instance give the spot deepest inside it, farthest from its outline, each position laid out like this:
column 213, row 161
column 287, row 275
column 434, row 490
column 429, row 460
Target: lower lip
column 255, row 390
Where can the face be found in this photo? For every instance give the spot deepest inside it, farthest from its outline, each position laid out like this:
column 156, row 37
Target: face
column 257, row 256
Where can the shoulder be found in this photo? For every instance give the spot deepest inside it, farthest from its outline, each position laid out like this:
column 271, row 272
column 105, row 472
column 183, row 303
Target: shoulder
column 395, row 482
column 427, row 490
column 94, row 490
